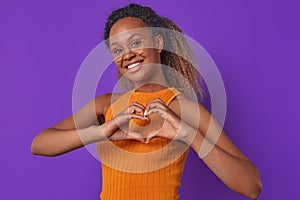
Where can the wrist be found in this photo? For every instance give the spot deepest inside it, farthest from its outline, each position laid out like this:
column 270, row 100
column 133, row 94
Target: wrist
column 99, row 132
column 186, row 133
column 91, row 134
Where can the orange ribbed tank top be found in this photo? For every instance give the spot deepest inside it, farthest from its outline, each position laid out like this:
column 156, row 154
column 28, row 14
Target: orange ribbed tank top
column 132, row 170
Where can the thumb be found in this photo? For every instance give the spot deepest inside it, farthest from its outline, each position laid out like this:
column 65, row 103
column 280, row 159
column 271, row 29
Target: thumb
column 135, row 136
column 151, row 135
column 147, row 140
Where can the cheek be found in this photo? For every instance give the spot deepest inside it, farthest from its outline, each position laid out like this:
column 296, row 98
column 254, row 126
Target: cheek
column 153, row 55
column 119, row 68
column 118, row 64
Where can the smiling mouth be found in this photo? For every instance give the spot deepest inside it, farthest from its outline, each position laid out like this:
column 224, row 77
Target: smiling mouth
column 133, row 65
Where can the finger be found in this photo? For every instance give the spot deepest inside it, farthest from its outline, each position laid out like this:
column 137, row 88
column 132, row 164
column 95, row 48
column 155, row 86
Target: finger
column 152, row 105
column 161, row 111
column 149, row 137
column 136, row 136
column 155, row 105
column 136, row 104
column 135, row 109
column 123, row 118
column 136, row 116
column 148, row 140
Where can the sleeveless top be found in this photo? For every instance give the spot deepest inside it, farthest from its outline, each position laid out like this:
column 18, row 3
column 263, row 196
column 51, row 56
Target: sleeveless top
column 133, row 170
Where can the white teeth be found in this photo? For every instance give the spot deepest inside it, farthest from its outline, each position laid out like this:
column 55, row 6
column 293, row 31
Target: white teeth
column 133, row 65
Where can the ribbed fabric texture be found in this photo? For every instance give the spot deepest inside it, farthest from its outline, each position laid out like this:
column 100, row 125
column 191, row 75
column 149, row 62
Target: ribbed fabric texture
column 132, row 170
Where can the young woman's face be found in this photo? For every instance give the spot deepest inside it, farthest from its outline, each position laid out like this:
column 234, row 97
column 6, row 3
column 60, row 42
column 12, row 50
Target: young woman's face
column 135, row 49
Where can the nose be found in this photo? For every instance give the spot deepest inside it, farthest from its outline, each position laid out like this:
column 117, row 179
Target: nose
column 129, row 55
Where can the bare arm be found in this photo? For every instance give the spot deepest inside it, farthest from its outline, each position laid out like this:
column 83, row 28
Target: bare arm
column 235, row 171
column 64, row 137
column 224, row 159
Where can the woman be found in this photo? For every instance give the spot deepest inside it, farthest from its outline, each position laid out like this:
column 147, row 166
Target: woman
column 145, row 133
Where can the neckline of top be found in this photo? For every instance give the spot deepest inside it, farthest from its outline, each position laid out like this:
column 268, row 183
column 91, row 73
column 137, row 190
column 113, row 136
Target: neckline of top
column 154, row 92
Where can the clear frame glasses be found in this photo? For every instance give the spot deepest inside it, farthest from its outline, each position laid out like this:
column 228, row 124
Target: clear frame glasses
column 135, row 45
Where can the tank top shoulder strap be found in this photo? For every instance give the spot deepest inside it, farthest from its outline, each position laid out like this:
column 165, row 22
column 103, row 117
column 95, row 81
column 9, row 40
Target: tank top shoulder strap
column 173, row 93
column 166, row 95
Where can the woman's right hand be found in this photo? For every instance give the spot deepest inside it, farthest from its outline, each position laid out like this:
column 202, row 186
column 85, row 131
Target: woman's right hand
column 118, row 127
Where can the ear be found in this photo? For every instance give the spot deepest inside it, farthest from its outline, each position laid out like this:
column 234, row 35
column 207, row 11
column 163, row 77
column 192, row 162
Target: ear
column 159, row 42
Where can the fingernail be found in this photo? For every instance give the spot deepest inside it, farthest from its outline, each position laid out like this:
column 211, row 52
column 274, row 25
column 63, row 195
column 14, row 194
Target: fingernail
column 145, row 113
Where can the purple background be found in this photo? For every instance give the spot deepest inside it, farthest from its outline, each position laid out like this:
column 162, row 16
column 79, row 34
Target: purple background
column 255, row 45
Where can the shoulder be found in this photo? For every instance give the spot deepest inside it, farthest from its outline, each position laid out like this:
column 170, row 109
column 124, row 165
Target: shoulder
column 177, row 103
column 181, row 100
column 102, row 102
column 180, row 103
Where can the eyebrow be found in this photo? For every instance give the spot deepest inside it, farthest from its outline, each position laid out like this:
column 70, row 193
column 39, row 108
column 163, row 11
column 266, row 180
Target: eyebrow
column 133, row 35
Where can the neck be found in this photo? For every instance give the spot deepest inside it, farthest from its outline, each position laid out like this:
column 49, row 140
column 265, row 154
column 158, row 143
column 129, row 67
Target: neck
column 153, row 84
column 150, row 87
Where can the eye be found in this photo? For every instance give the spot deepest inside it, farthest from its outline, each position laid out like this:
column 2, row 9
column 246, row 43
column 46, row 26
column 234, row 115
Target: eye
column 117, row 51
column 136, row 43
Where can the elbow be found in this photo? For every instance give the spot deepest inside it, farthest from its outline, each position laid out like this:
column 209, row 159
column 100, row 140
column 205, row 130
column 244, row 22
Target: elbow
column 253, row 191
column 252, row 185
column 37, row 148
column 249, row 186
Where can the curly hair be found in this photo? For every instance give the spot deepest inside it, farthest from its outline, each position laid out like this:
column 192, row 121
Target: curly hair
column 175, row 44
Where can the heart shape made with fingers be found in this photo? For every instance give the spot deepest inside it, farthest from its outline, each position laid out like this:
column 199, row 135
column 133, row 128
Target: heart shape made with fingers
column 149, row 127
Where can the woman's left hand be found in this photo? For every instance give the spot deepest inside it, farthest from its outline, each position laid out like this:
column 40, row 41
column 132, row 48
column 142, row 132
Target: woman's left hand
column 173, row 127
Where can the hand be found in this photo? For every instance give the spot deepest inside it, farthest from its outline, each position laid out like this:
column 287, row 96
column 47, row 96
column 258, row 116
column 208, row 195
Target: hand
column 173, row 127
column 118, row 128
column 126, row 135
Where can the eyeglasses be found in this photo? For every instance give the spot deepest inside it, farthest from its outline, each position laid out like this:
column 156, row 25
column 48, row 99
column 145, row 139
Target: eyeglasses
column 135, row 45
